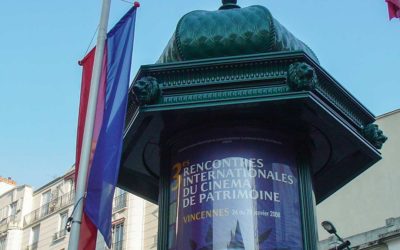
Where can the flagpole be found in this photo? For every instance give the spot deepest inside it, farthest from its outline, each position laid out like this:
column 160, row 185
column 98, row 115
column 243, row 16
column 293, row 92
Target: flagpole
column 88, row 129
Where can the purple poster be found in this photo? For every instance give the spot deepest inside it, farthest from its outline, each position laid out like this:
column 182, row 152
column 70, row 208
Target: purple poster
column 235, row 193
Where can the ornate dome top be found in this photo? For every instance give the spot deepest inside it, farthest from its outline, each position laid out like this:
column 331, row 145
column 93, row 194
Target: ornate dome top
column 229, row 31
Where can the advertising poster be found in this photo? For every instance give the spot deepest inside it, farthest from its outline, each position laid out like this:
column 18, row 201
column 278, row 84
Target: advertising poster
column 235, row 193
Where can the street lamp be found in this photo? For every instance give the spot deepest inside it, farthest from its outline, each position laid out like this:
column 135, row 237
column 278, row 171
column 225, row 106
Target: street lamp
column 330, row 228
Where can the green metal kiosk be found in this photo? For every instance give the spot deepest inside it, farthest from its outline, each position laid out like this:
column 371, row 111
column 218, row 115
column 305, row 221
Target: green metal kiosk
column 237, row 132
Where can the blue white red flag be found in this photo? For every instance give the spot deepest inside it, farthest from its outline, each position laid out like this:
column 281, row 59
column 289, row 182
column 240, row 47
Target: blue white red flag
column 108, row 130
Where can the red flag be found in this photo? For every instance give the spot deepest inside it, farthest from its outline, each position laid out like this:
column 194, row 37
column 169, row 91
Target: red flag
column 394, row 8
column 88, row 233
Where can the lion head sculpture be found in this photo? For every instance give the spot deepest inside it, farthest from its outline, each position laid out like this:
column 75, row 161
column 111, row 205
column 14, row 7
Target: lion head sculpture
column 374, row 135
column 146, row 90
column 301, row 76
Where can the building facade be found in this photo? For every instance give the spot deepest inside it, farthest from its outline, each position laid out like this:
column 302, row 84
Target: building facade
column 44, row 225
column 130, row 223
column 35, row 220
column 15, row 203
column 366, row 211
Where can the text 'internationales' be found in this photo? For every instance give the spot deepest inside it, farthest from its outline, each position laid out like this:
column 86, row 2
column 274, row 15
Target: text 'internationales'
column 230, row 179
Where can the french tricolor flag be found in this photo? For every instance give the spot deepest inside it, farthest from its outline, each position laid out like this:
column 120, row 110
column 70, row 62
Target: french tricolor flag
column 108, row 129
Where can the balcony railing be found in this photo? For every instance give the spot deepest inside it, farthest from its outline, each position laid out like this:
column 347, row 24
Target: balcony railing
column 48, row 208
column 119, row 202
column 60, row 234
column 11, row 222
column 32, row 246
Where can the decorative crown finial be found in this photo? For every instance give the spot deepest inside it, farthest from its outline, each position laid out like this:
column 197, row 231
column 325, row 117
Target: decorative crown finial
column 229, row 1
column 229, row 4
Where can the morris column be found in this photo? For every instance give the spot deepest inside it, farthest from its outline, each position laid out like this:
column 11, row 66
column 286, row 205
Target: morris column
column 237, row 132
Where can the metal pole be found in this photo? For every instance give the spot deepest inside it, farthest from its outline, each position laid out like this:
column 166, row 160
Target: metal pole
column 89, row 125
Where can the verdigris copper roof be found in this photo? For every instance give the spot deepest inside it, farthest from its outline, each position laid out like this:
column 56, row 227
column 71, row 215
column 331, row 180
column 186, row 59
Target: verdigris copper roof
column 229, row 31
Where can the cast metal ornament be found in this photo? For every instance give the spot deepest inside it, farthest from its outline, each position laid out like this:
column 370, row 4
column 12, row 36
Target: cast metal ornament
column 229, row 4
column 374, row 135
column 146, row 90
column 301, row 76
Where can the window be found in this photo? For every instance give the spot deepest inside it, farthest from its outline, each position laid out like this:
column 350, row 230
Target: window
column 46, row 198
column 118, row 238
column 119, row 192
column 34, row 239
column 68, row 186
column 58, row 191
column 63, row 222
column 119, row 199
column 3, row 242
column 61, row 227
column 4, row 213
column 13, row 209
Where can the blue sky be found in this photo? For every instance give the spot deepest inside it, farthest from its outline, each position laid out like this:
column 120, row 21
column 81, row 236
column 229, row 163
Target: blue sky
column 42, row 41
